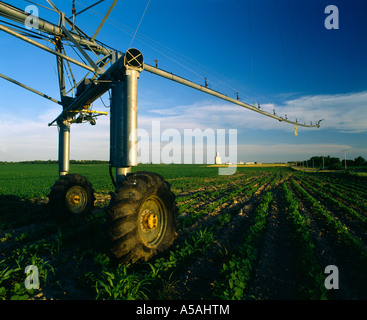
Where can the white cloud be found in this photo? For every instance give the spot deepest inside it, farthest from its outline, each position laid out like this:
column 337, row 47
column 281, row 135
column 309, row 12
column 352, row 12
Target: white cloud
column 26, row 139
column 32, row 139
column 343, row 112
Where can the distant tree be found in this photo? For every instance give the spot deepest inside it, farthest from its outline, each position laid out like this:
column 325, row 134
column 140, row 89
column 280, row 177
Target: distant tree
column 360, row 161
column 315, row 161
column 350, row 163
column 334, row 163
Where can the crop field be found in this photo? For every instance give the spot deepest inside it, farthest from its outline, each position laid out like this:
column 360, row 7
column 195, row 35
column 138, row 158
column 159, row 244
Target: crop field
column 262, row 233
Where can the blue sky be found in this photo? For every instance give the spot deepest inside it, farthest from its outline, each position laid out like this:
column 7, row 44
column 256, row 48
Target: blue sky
column 275, row 52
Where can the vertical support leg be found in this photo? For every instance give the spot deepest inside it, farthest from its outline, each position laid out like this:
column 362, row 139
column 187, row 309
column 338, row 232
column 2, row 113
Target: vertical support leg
column 123, row 127
column 131, row 88
column 64, row 146
column 121, row 173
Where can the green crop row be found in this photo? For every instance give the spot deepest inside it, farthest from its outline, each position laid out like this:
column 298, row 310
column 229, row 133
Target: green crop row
column 337, row 204
column 346, row 195
column 236, row 273
column 194, row 183
column 222, row 197
column 340, row 231
column 203, row 197
column 346, row 184
column 310, row 274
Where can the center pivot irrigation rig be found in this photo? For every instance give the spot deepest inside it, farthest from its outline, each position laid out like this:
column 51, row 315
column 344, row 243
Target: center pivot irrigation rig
column 141, row 216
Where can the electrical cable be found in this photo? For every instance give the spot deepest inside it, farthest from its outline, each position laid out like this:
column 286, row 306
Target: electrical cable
column 111, row 176
column 251, row 51
column 139, row 24
column 300, row 53
column 153, row 44
column 283, row 52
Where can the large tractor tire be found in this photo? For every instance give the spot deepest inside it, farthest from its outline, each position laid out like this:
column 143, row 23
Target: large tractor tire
column 141, row 218
column 71, row 195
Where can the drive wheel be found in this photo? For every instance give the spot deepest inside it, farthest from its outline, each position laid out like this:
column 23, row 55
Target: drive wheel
column 141, row 217
column 71, row 195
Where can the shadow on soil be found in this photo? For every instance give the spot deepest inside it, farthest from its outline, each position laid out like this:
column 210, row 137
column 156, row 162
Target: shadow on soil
column 16, row 212
column 74, row 248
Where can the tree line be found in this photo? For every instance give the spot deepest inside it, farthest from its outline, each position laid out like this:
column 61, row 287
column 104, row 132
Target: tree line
column 332, row 163
column 56, row 162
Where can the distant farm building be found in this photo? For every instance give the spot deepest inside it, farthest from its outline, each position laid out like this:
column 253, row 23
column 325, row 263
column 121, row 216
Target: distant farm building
column 218, row 159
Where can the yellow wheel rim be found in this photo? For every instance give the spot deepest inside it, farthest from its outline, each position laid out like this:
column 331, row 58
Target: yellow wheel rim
column 152, row 221
column 76, row 199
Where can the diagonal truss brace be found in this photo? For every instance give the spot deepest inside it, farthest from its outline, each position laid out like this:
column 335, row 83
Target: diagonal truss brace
column 35, row 43
column 29, row 88
column 81, row 50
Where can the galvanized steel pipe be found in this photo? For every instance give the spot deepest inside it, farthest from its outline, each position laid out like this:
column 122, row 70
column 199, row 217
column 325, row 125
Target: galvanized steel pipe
column 191, row 84
column 20, row 16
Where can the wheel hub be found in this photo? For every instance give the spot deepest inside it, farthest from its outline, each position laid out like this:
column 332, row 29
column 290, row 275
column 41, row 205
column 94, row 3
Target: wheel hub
column 152, row 221
column 76, row 199
column 149, row 220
